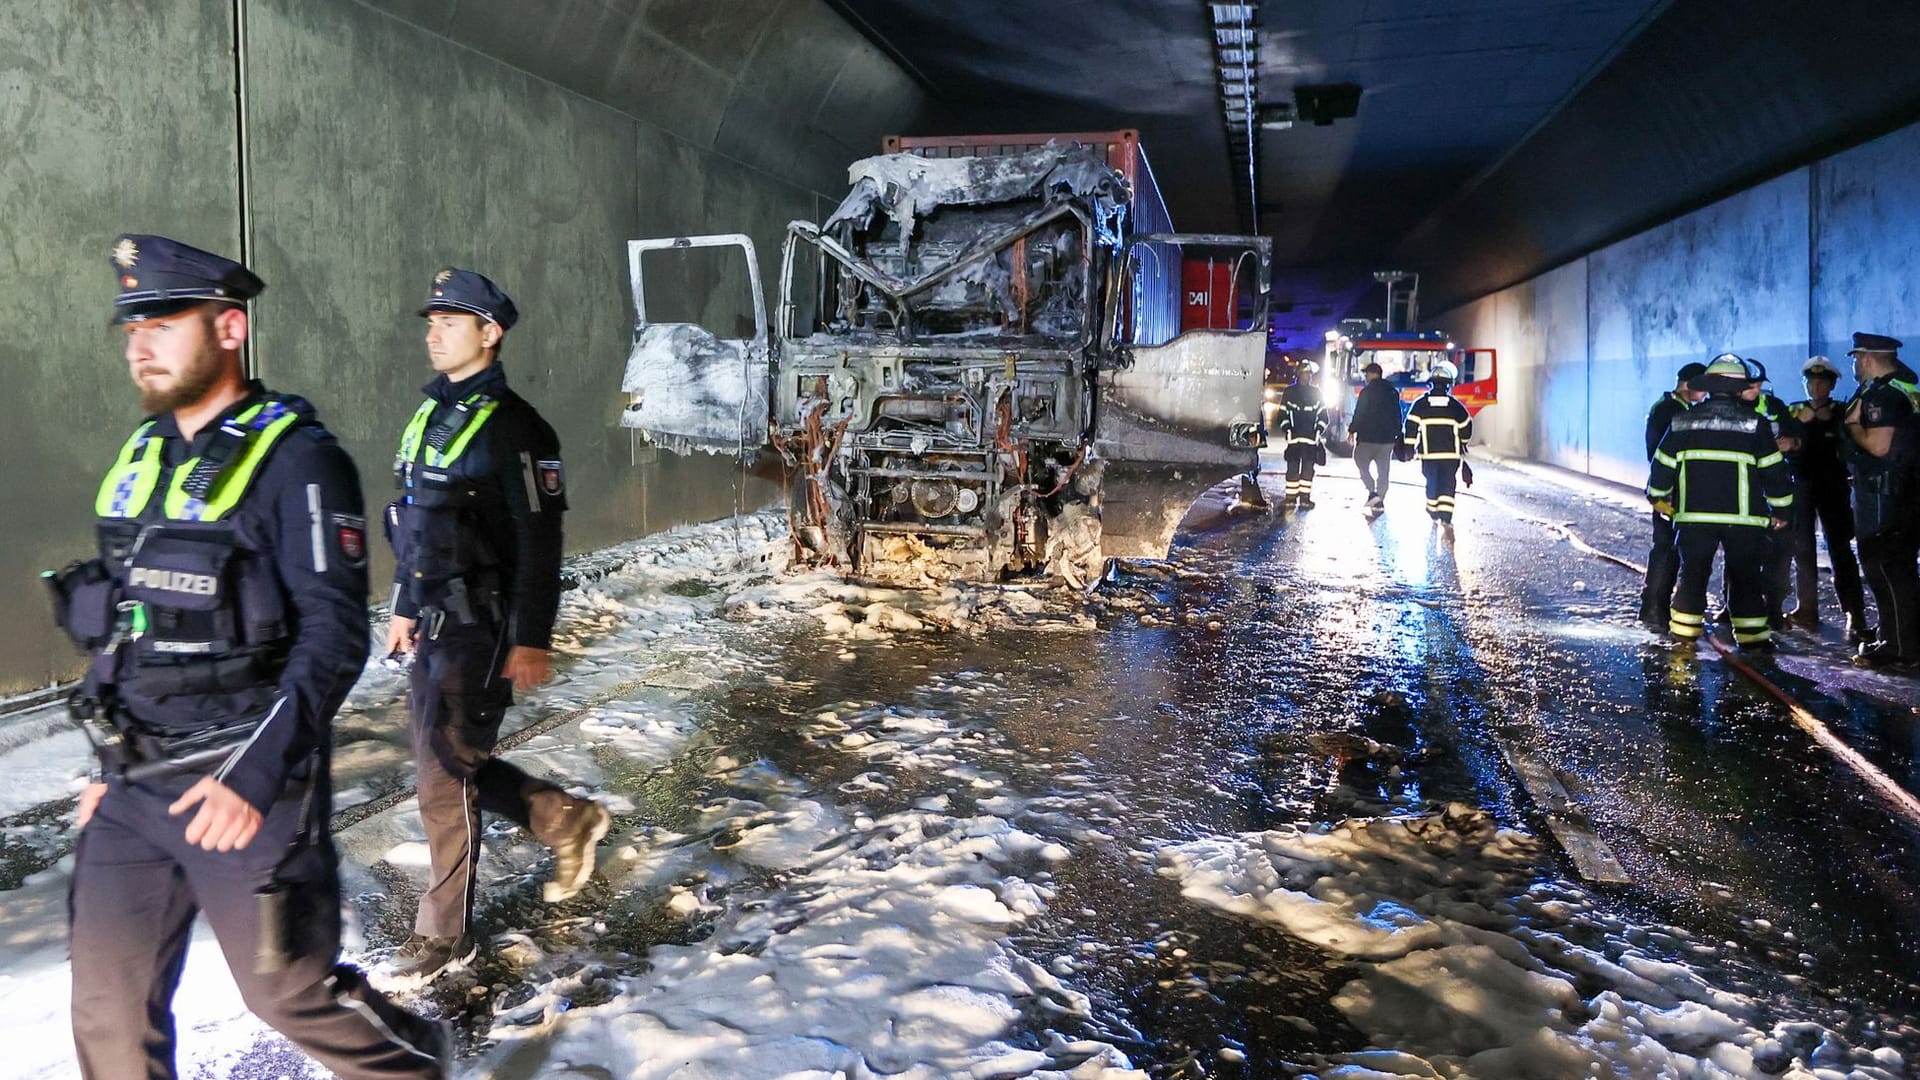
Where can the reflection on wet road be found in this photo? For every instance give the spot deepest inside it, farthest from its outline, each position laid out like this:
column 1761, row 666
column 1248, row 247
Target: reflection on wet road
column 1321, row 666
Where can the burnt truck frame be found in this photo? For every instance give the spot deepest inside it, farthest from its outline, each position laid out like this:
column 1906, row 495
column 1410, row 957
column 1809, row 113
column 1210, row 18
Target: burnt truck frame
column 951, row 380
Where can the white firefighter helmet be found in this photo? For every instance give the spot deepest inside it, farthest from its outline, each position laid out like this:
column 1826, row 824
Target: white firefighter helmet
column 1444, row 370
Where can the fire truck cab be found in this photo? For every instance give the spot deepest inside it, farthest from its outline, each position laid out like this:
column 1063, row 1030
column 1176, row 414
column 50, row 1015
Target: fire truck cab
column 1407, row 359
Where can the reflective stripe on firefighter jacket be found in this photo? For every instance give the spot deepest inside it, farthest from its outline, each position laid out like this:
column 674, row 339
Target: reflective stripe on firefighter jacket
column 1719, row 465
column 1438, row 427
column 1302, row 419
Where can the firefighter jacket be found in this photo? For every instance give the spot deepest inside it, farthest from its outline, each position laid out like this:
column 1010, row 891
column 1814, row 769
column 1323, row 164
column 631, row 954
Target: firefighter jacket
column 226, row 610
column 1660, row 417
column 476, row 527
column 1719, row 465
column 1302, row 419
column 1780, row 416
column 1438, row 427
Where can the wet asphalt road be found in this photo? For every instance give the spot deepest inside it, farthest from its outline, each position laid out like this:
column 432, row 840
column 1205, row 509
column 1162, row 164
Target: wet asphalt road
column 1211, row 700
column 1205, row 703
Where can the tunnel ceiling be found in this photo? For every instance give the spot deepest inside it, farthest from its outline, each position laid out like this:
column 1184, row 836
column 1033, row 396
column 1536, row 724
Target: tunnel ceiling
column 1494, row 138
column 1448, row 86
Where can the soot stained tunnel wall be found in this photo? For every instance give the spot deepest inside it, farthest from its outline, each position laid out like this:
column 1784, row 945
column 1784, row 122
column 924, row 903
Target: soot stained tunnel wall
column 1777, row 272
column 384, row 140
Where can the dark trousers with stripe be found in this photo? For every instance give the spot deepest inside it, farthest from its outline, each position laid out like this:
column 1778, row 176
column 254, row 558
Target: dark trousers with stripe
column 1443, row 479
column 1887, row 562
column 1826, row 504
column 1300, row 463
column 457, row 700
column 137, row 885
column 1663, row 570
column 1746, row 553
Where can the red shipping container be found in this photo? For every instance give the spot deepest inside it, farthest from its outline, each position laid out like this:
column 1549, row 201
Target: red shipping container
column 1206, row 295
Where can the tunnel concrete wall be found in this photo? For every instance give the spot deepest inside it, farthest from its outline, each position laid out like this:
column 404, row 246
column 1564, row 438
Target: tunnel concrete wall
column 1776, row 272
column 357, row 147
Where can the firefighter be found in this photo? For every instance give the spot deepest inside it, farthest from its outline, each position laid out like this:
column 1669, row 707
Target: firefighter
column 1721, row 477
column 1883, row 438
column 1303, row 422
column 1437, row 431
column 226, row 619
column 1787, row 433
column 1820, row 492
column 1663, row 562
column 476, row 536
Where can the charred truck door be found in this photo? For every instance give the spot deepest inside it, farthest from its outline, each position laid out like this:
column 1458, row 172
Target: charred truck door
column 690, row 389
column 1180, row 411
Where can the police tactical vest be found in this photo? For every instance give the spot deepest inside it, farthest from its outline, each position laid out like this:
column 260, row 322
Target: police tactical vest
column 197, row 609
column 438, row 489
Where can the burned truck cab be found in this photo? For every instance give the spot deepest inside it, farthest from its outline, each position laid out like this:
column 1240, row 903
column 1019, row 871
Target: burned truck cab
column 949, row 380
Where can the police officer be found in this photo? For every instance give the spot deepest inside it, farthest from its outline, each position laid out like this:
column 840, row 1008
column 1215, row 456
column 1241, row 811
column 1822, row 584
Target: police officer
column 226, row 619
column 1302, row 421
column 476, row 539
column 1820, row 492
column 1883, row 431
column 1720, row 476
column 1663, row 561
column 1437, row 429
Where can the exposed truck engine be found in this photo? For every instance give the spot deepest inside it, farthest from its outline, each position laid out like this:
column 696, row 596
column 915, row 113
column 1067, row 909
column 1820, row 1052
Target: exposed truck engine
column 975, row 368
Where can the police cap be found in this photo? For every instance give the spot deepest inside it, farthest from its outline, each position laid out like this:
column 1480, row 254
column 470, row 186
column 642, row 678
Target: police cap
column 160, row 276
column 1874, row 343
column 1690, row 372
column 454, row 289
column 1820, row 365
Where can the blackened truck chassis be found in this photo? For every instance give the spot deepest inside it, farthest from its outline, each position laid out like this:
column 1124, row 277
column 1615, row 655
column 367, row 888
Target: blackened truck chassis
column 955, row 385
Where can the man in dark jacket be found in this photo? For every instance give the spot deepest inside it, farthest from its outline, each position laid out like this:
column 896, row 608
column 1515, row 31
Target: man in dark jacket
column 1820, row 493
column 1663, row 562
column 476, row 534
column 1721, row 477
column 1375, row 428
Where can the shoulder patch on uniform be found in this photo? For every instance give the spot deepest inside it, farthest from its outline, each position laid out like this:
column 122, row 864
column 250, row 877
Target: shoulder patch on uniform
column 350, row 537
column 553, row 477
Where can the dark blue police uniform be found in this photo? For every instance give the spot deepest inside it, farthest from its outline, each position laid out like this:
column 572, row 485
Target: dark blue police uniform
column 1886, row 506
column 476, row 532
column 225, row 617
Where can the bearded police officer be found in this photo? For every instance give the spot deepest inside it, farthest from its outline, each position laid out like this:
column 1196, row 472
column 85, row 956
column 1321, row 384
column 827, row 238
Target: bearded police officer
column 1883, row 431
column 476, row 538
column 1721, row 477
column 226, row 618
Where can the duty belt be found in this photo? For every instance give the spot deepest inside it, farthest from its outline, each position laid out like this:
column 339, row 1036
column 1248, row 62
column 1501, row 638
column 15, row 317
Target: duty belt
column 134, row 752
